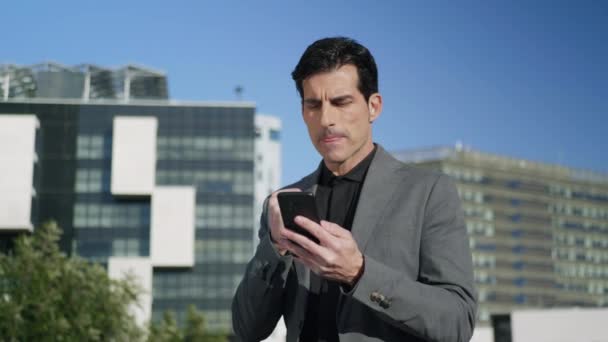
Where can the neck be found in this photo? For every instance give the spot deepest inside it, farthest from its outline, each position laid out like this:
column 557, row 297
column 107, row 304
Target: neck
column 342, row 168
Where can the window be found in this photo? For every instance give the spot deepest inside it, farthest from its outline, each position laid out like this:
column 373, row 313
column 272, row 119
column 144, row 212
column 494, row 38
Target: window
column 515, row 217
column 90, row 147
column 275, row 135
column 88, row 180
column 519, row 282
column 519, row 249
column 513, row 184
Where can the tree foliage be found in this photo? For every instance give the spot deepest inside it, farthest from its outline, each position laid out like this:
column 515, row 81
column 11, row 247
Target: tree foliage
column 194, row 329
column 166, row 331
column 46, row 296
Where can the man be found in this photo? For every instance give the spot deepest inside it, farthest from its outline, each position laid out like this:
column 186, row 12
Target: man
column 393, row 261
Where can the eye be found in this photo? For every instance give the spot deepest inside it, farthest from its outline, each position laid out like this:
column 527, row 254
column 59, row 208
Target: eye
column 341, row 102
column 313, row 105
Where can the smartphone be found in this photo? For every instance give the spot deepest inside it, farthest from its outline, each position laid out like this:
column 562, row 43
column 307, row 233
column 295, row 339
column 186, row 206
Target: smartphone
column 293, row 204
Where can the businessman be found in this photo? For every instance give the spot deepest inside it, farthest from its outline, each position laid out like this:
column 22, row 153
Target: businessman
column 393, row 260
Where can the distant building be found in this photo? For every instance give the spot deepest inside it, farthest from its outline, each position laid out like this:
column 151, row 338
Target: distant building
column 267, row 162
column 84, row 81
column 163, row 188
column 551, row 325
column 538, row 232
column 267, row 180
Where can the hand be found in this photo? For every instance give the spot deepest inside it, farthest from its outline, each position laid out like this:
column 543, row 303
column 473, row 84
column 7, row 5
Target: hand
column 275, row 222
column 336, row 257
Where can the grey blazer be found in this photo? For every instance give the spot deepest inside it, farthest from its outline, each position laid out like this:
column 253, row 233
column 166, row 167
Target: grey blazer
column 418, row 279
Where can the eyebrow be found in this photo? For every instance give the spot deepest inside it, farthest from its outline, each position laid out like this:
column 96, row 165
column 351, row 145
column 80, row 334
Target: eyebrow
column 340, row 98
column 313, row 101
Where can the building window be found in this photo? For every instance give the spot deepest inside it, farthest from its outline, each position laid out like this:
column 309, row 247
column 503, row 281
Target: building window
column 275, row 135
column 519, row 249
column 518, row 265
column 513, row 184
column 520, row 299
column 515, row 217
column 90, row 147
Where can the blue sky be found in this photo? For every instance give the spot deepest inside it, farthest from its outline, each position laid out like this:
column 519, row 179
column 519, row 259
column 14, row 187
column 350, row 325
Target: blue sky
column 528, row 79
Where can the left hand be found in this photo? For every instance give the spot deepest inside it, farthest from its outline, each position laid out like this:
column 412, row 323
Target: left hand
column 336, row 257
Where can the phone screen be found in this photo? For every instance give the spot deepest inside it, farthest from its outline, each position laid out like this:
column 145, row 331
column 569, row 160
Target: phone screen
column 293, row 204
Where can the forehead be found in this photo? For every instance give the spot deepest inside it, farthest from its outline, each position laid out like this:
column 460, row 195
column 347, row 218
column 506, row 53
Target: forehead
column 344, row 79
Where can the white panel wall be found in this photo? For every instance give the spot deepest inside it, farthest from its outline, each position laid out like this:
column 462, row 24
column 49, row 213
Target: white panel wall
column 17, row 157
column 560, row 325
column 172, row 226
column 267, row 164
column 134, row 155
column 141, row 268
column 279, row 334
column 483, row 334
column 267, row 179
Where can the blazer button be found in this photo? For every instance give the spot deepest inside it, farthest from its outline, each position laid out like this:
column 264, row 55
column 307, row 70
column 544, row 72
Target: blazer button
column 385, row 304
column 374, row 297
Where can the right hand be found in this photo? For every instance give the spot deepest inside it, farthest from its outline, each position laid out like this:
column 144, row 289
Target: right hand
column 275, row 221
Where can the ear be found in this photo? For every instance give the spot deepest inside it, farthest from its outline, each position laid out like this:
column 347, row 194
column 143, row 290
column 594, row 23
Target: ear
column 375, row 106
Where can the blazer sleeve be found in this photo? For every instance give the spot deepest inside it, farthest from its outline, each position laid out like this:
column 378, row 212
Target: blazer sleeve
column 441, row 304
column 258, row 302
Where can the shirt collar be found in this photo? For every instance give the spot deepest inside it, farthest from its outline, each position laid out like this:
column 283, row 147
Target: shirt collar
column 356, row 174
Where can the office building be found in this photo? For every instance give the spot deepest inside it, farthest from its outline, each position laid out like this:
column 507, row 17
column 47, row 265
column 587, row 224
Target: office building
column 84, row 81
column 267, row 180
column 162, row 188
column 267, row 162
column 538, row 232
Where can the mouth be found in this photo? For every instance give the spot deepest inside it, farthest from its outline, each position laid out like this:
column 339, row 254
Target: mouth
column 331, row 138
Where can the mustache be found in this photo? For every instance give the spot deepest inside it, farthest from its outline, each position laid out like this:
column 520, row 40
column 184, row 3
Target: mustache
column 332, row 132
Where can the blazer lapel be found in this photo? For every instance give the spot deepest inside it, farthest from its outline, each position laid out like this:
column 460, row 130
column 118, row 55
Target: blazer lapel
column 380, row 183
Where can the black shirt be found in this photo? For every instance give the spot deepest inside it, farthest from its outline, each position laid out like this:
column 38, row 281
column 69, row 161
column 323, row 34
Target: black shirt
column 337, row 198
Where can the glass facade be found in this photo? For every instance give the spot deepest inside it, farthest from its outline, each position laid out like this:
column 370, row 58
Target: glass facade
column 54, row 80
column 210, row 147
column 538, row 232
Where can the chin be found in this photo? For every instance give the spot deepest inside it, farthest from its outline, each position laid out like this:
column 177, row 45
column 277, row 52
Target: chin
column 334, row 157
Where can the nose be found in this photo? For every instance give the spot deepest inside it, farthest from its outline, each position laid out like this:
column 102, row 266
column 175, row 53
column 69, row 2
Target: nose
column 327, row 116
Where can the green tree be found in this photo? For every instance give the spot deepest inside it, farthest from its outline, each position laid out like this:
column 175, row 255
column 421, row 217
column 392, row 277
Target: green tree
column 166, row 331
column 194, row 329
column 195, row 326
column 46, row 296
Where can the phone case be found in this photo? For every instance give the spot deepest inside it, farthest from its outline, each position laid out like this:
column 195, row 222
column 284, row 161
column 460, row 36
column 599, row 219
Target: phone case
column 293, row 204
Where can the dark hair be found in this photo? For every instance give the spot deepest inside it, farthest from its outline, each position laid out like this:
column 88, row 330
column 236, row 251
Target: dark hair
column 331, row 53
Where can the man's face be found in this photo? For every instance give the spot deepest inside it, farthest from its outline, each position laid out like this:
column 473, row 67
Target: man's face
column 338, row 117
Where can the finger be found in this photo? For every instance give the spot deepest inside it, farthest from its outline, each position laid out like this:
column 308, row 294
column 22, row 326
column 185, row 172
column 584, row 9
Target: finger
column 297, row 250
column 282, row 242
column 285, row 233
column 273, row 203
column 302, row 256
column 314, row 228
column 310, row 246
column 308, row 264
column 333, row 229
column 275, row 222
column 274, row 194
column 274, row 208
